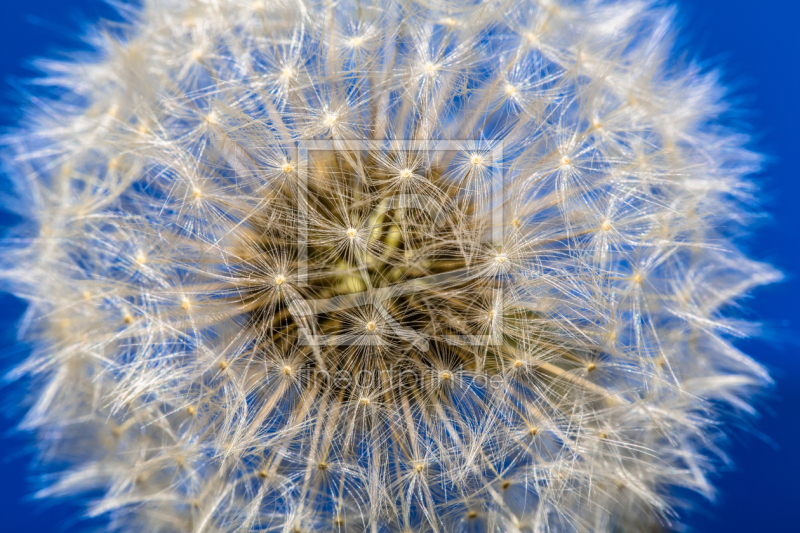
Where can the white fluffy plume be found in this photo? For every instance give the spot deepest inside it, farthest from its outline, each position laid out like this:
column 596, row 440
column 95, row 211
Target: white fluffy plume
column 382, row 266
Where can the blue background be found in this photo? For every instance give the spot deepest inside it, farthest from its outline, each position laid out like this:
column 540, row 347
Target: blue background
column 756, row 46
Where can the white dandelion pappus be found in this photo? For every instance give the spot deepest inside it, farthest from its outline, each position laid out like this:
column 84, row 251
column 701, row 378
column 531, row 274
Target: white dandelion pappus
column 382, row 266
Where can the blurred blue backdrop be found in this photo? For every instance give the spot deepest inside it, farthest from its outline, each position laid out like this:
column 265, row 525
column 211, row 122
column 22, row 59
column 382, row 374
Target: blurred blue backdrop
column 756, row 45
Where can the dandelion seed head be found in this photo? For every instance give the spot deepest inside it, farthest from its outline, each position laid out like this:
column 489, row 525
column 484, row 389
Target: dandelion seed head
column 383, row 266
